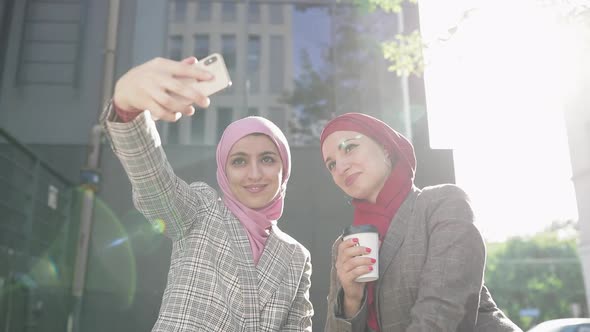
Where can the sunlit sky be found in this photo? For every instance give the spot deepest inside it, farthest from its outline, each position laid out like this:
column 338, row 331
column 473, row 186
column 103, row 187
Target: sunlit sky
column 494, row 92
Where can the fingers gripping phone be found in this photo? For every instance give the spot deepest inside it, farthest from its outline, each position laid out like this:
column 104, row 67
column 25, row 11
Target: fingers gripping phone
column 214, row 64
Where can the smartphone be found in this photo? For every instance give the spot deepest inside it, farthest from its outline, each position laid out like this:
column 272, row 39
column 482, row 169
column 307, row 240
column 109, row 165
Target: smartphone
column 214, row 64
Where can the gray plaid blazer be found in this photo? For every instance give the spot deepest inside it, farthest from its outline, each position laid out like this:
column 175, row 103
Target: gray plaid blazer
column 431, row 267
column 213, row 284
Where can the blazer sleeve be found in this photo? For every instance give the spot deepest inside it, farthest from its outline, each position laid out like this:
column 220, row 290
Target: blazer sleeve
column 335, row 320
column 157, row 192
column 490, row 318
column 452, row 276
column 299, row 318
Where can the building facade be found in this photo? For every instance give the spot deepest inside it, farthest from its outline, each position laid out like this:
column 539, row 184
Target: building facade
column 256, row 42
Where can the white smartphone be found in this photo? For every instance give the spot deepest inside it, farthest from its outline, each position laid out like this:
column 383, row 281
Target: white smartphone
column 214, row 64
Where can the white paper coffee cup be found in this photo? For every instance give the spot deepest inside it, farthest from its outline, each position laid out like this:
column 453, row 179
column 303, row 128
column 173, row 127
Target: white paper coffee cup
column 368, row 236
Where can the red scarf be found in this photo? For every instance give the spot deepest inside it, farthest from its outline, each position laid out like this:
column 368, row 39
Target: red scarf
column 394, row 191
column 380, row 214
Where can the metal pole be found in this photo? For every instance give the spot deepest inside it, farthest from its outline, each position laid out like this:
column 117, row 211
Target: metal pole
column 405, row 91
column 246, row 72
column 92, row 165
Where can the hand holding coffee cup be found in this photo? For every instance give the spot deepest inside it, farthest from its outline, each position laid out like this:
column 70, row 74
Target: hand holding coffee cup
column 367, row 236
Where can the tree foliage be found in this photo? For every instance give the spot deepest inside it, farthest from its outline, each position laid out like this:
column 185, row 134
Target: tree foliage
column 405, row 50
column 405, row 54
column 312, row 101
column 542, row 272
column 345, row 79
column 394, row 6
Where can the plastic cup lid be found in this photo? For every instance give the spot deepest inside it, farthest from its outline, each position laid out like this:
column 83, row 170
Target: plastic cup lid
column 354, row 229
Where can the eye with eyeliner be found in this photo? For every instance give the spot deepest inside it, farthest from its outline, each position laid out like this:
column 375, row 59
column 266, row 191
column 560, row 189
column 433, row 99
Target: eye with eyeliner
column 346, row 147
column 268, row 159
column 238, row 161
column 330, row 166
column 349, row 147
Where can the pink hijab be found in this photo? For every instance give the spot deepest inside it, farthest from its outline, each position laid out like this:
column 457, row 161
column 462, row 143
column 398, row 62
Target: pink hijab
column 256, row 222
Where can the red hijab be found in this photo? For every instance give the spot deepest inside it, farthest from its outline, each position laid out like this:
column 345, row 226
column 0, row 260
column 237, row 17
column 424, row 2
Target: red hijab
column 396, row 187
column 400, row 181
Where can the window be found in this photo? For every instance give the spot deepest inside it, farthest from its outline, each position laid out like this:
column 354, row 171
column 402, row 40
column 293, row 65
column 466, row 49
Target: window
column 173, row 134
column 201, row 49
column 252, row 111
column 179, row 10
column 277, row 59
column 51, row 42
column 277, row 116
column 198, row 126
column 203, row 10
column 224, row 118
column 175, row 47
column 253, row 12
column 276, row 13
column 267, row 58
column 228, row 11
column 228, row 49
column 254, row 63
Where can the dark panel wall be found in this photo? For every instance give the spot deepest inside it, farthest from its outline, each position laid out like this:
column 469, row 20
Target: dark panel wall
column 50, row 113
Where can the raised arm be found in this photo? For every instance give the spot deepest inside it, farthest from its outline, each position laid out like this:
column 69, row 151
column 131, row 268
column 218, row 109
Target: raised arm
column 157, row 89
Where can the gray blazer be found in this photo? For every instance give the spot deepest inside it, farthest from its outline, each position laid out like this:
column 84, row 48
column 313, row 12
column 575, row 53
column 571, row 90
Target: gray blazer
column 431, row 267
column 213, row 284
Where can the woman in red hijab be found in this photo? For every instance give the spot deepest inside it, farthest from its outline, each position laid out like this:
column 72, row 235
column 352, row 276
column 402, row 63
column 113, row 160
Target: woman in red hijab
column 431, row 257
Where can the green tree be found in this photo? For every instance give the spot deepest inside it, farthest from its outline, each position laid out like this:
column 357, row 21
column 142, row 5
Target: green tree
column 343, row 81
column 404, row 50
column 543, row 272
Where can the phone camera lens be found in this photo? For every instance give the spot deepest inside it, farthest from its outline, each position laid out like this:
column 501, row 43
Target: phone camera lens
column 210, row 60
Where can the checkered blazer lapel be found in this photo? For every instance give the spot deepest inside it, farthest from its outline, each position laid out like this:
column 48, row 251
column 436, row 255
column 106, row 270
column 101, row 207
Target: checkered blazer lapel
column 259, row 283
column 246, row 273
column 273, row 265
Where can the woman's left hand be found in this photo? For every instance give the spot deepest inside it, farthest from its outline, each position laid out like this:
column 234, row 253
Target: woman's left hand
column 351, row 264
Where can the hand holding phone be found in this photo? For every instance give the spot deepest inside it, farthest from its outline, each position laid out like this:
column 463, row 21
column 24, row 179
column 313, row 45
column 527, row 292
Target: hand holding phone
column 214, row 64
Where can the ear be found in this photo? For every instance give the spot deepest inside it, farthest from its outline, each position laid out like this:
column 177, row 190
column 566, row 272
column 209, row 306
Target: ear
column 386, row 153
column 388, row 159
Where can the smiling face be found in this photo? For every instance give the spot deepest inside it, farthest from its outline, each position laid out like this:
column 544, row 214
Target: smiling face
column 254, row 170
column 358, row 165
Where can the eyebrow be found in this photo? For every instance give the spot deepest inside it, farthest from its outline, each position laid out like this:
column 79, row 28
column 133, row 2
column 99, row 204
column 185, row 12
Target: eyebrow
column 342, row 144
column 244, row 154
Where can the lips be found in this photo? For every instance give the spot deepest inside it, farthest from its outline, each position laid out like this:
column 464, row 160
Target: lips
column 255, row 188
column 351, row 179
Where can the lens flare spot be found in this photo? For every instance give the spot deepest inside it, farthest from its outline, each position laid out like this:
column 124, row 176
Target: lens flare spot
column 112, row 261
column 159, row 226
column 117, row 242
column 45, row 272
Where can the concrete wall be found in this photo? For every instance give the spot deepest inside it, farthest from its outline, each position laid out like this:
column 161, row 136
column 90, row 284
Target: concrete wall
column 577, row 116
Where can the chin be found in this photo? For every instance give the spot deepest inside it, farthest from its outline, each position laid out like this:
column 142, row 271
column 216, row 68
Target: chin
column 354, row 194
column 257, row 205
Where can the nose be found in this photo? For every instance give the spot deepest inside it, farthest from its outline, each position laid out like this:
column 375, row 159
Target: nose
column 342, row 167
column 254, row 171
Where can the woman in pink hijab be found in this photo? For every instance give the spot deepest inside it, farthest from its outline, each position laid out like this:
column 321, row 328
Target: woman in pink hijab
column 232, row 268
